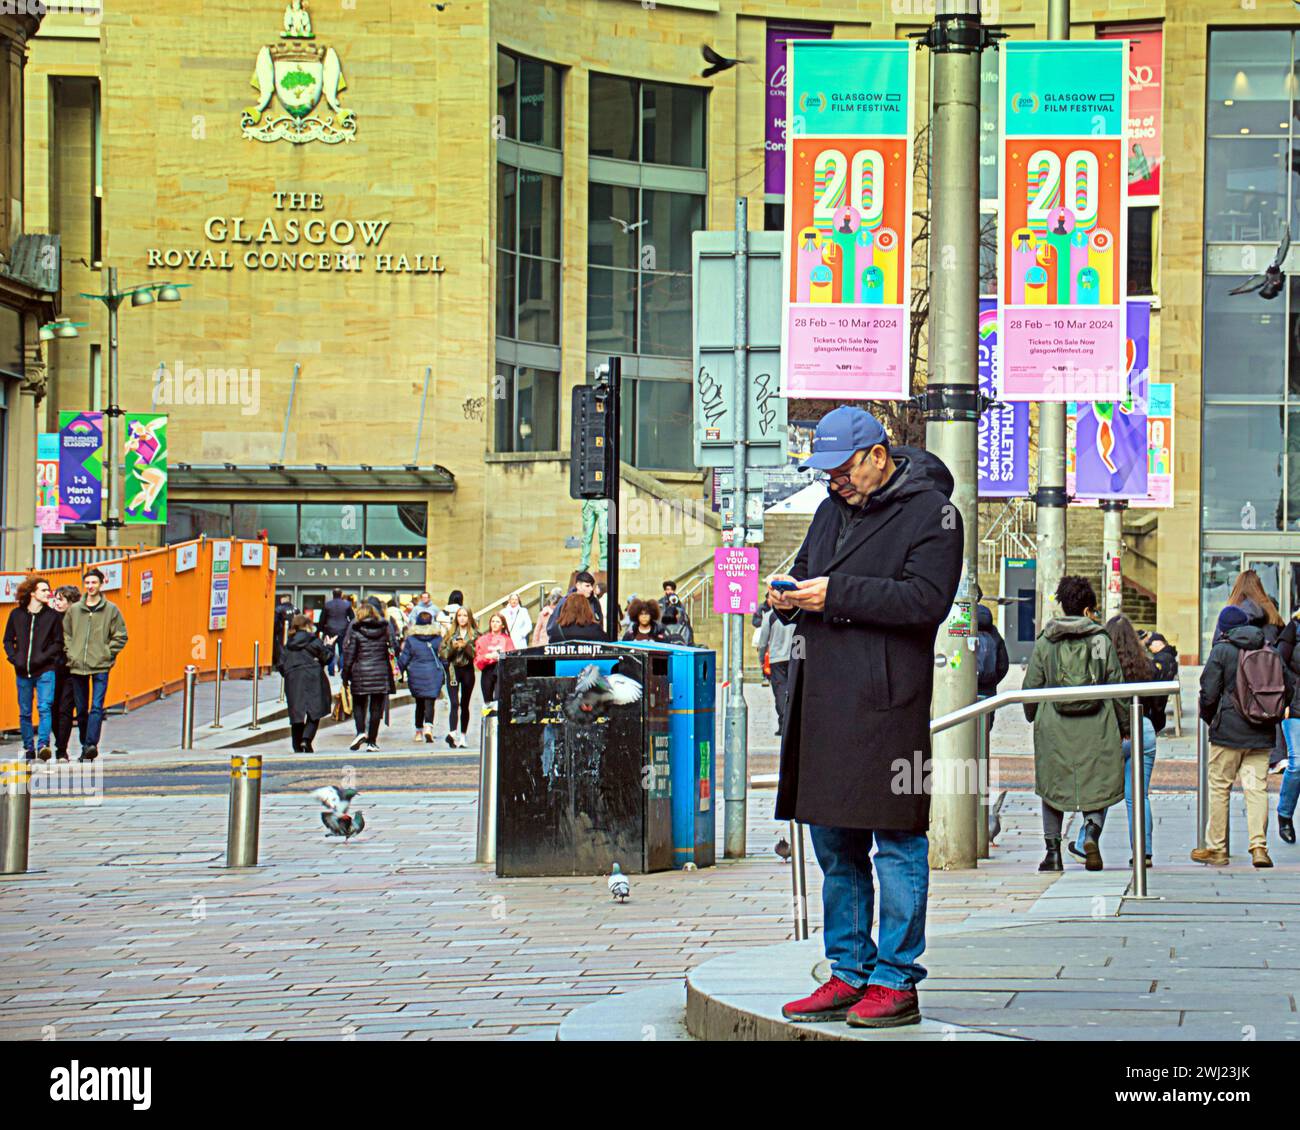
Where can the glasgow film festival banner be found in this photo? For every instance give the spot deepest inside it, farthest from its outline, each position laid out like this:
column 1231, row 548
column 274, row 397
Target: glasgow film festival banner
column 848, row 208
column 1062, row 265
column 1004, row 428
column 47, row 483
column 779, row 33
column 81, row 466
column 146, row 469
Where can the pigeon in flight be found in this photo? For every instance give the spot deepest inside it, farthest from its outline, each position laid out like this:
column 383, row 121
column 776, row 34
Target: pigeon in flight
column 716, row 62
column 595, row 689
column 619, row 887
column 995, row 816
column 334, row 798
column 335, row 814
column 1269, row 285
column 629, row 227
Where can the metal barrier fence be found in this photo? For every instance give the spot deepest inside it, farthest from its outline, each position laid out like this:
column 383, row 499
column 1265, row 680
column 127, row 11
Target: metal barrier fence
column 976, row 711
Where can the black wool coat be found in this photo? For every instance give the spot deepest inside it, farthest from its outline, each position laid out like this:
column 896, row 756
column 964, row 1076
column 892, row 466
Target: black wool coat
column 306, row 689
column 862, row 670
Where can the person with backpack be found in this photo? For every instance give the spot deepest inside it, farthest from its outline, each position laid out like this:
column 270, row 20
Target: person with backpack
column 1164, row 656
column 991, row 660
column 1245, row 691
column 676, row 629
column 1078, row 746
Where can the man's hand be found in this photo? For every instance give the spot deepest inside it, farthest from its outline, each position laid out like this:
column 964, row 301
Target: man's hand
column 779, row 599
column 810, row 595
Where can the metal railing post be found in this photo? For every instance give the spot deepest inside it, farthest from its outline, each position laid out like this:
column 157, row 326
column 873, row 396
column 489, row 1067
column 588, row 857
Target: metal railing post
column 486, row 850
column 187, row 707
column 15, row 815
column 800, row 879
column 257, row 680
column 1139, row 838
column 982, row 783
column 1202, row 785
column 216, row 702
column 1178, row 714
column 243, row 823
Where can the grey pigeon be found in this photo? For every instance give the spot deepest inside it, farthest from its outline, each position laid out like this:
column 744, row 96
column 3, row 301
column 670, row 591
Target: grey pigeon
column 346, row 824
column 1272, row 281
column 995, row 816
column 594, row 689
column 335, row 799
column 619, row 887
column 783, row 849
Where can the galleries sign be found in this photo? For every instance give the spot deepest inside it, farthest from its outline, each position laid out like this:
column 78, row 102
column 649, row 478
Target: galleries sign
column 848, row 190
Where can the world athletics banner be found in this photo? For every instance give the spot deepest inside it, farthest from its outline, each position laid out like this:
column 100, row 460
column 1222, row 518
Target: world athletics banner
column 146, row 469
column 81, row 466
column 1004, row 428
column 848, row 193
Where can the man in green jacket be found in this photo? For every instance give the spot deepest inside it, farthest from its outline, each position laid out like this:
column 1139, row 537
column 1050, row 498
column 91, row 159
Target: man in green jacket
column 1078, row 746
column 94, row 633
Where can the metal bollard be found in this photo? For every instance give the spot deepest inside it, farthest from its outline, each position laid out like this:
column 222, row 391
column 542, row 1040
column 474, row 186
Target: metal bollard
column 245, row 811
column 486, row 851
column 216, row 705
column 800, row 880
column 257, row 678
column 1202, row 785
column 1139, row 844
column 187, row 708
column 15, row 815
column 982, row 783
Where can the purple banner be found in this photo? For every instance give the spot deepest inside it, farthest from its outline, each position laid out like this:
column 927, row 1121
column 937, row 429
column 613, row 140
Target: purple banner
column 1110, row 438
column 774, row 145
column 1003, row 430
column 81, row 464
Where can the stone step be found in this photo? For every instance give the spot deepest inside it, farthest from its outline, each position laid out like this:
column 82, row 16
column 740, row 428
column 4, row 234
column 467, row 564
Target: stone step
column 657, row 1013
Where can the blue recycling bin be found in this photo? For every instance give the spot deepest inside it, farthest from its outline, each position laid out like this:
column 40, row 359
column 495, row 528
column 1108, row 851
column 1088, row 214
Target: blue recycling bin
column 692, row 675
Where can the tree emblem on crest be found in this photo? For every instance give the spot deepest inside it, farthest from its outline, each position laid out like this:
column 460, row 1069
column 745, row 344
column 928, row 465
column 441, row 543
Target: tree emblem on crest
column 301, row 73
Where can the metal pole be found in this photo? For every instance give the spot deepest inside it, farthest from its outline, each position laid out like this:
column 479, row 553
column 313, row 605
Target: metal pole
column 735, row 732
column 288, row 412
column 799, row 877
column 284, row 640
column 1136, row 783
column 187, row 708
column 1178, row 714
column 15, row 816
column 419, row 427
column 242, row 826
column 1050, row 499
column 613, row 481
column 1202, row 784
column 487, row 791
column 112, row 480
column 216, row 702
column 257, row 679
column 1112, row 547
column 952, row 406
column 982, row 771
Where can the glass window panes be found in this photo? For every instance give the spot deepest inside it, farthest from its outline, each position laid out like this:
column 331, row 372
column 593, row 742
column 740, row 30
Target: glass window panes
column 1250, row 83
column 539, row 103
column 1293, row 471
column 507, row 210
column 1218, row 572
column 539, row 301
column 507, row 94
column 1141, row 250
column 612, row 111
column 611, row 243
column 536, row 410
column 773, row 217
column 505, row 294
column 394, row 530
column 501, row 424
column 330, row 529
column 611, row 310
column 663, row 425
column 278, row 519
column 539, row 214
column 1244, row 349
column 1241, row 487
column 186, row 520
column 665, row 315
column 666, row 237
column 1245, row 188
column 672, row 125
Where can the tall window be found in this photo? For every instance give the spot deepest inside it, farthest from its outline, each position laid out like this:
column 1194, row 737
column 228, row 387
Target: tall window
column 645, row 199
column 529, row 205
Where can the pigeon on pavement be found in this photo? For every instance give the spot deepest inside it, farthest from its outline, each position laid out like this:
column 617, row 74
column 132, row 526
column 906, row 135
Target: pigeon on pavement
column 783, row 849
column 347, row 824
column 619, row 887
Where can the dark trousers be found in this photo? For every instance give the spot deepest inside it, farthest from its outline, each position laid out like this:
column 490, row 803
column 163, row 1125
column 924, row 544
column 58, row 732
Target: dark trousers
column 490, row 683
column 302, row 733
column 65, row 705
column 460, row 687
column 373, row 705
column 424, row 707
column 88, row 691
column 780, row 680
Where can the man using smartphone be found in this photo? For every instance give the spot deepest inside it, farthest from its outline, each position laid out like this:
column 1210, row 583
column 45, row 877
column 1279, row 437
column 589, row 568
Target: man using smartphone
column 870, row 586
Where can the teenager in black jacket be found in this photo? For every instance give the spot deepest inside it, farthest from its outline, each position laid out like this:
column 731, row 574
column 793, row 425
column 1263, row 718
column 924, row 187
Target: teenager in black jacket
column 33, row 644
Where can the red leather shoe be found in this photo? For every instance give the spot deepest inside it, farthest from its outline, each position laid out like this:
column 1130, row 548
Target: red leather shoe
column 882, row 1007
column 830, row 1001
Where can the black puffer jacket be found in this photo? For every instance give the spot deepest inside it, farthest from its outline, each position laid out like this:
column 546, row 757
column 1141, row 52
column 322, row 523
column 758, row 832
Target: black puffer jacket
column 366, row 667
column 1219, row 686
column 34, row 643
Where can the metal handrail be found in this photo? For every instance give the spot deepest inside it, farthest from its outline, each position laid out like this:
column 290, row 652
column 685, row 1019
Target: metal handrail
column 541, row 585
column 1136, row 691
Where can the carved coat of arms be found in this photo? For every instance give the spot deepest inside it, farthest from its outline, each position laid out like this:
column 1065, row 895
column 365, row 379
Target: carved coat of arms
column 307, row 78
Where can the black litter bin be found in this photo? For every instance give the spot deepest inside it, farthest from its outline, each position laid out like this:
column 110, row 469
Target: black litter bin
column 583, row 781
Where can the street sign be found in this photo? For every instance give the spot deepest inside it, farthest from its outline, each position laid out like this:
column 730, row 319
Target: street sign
column 714, row 276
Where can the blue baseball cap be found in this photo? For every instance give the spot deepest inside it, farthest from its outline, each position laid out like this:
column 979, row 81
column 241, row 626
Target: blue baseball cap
column 840, row 433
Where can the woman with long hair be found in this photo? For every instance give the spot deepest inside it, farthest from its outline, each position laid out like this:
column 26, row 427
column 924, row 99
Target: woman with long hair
column 1248, row 594
column 488, row 650
column 368, row 672
column 425, row 674
column 540, row 633
column 457, row 652
column 574, row 620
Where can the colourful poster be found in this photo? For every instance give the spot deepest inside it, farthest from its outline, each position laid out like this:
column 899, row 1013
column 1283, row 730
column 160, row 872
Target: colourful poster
column 1160, row 452
column 735, row 579
column 1004, row 428
column 219, row 596
column 81, row 466
column 1061, row 243
column 47, row 483
column 146, row 469
column 846, row 308
column 1145, row 120
column 778, row 34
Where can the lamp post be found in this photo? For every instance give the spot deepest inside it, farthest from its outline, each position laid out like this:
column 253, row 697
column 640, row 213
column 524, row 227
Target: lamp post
column 143, row 295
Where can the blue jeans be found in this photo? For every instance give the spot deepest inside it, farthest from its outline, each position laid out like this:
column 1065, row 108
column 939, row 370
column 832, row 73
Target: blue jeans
column 1148, row 763
column 88, row 692
column 902, row 860
column 1290, row 793
column 43, row 685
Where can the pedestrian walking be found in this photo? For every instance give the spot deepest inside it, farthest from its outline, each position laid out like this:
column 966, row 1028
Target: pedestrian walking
column 446, row 617
column 425, row 674
column 335, row 617
column 575, row 620
column 424, row 604
column 94, row 634
column 1245, row 690
column 775, row 640
column 488, row 650
column 518, row 622
column 677, row 629
column 1164, row 657
column 368, row 673
column 585, row 585
column 1138, row 667
column 991, row 660
column 553, row 601
column 875, row 578
column 65, row 705
column 643, row 618
column 306, row 688
column 1078, row 746
column 457, row 652
column 33, row 644
column 396, row 621
column 284, row 614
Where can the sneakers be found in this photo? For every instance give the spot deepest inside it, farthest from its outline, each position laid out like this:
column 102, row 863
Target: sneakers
column 1207, row 855
column 451, row 738
column 830, row 1001
column 1091, row 848
column 883, row 1007
column 371, row 747
column 45, row 753
column 428, row 734
column 1286, row 829
column 358, row 742
column 1259, row 857
column 89, row 753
